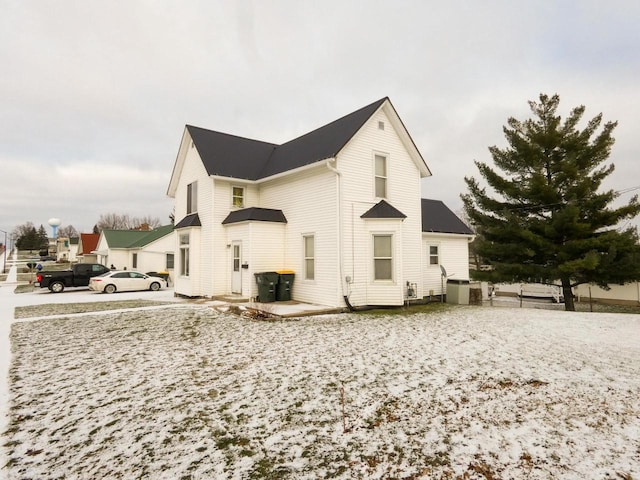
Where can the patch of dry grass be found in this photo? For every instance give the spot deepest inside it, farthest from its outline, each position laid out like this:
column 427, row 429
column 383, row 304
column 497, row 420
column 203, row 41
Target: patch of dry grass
column 49, row 309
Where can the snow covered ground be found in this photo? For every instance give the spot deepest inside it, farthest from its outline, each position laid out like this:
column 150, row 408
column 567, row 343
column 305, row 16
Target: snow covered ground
column 464, row 392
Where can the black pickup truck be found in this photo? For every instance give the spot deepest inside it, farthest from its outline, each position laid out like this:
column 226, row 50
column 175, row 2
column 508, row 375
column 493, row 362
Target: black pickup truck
column 77, row 276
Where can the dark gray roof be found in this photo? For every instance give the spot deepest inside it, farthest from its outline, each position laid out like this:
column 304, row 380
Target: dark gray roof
column 383, row 209
column 237, row 157
column 255, row 214
column 229, row 155
column 191, row 220
column 438, row 218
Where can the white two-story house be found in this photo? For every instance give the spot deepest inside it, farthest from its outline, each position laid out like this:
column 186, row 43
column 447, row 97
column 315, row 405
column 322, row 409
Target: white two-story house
column 340, row 206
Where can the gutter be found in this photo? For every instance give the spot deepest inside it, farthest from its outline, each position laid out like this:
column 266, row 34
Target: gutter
column 340, row 247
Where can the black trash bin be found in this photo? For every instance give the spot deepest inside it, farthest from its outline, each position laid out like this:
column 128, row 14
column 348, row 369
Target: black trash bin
column 285, row 282
column 267, row 282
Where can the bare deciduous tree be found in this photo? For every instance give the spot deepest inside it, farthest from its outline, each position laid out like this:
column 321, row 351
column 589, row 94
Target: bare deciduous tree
column 115, row 221
column 68, row 231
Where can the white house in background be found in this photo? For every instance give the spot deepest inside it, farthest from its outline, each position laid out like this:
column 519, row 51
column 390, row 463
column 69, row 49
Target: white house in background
column 627, row 294
column 141, row 250
column 446, row 242
column 340, row 206
column 67, row 249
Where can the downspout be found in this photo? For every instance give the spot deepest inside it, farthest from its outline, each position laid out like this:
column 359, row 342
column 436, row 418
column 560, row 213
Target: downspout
column 340, row 248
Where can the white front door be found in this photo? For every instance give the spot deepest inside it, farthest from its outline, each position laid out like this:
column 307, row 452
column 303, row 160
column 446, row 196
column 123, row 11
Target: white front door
column 236, row 272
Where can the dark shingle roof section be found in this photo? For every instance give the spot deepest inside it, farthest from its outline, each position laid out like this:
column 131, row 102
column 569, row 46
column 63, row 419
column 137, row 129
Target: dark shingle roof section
column 230, row 156
column 236, row 157
column 383, row 209
column 191, row 220
column 325, row 142
column 255, row 214
column 438, row 218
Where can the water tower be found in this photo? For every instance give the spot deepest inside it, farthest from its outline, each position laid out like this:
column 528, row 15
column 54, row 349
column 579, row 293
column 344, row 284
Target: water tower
column 54, row 223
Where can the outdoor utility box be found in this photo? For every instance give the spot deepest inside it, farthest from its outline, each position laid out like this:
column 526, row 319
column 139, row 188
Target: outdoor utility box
column 267, row 283
column 285, row 282
column 458, row 291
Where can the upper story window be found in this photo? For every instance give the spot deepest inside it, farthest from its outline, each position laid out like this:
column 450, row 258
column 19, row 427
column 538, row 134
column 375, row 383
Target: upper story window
column 192, row 198
column 237, row 197
column 380, row 171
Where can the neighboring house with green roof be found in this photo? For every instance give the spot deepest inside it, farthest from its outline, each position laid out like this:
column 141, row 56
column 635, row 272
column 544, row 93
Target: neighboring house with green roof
column 144, row 251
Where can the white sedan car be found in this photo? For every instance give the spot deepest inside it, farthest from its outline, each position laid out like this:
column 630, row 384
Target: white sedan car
column 125, row 281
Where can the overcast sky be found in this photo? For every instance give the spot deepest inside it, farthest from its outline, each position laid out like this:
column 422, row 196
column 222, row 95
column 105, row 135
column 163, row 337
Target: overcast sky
column 94, row 95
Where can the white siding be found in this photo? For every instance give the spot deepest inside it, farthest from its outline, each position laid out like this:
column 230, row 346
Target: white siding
column 454, row 257
column 153, row 257
column 367, row 290
column 262, row 249
column 188, row 286
column 201, row 237
column 627, row 294
column 356, row 162
column 221, row 235
column 309, row 202
column 200, row 254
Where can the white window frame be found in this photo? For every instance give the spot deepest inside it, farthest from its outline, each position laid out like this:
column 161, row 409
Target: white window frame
column 377, row 176
column 170, row 265
column 134, row 260
column 184, row 239
column 382, row 258
column 234, row 197
column 431, row 255
column 192, row 197
column 309, row 258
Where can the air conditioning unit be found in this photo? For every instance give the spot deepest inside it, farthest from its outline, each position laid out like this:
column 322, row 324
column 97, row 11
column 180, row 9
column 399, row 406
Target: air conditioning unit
column 412, row 290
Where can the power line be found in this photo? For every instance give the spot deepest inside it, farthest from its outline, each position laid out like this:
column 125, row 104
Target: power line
column 549, row 205
column 627, row 190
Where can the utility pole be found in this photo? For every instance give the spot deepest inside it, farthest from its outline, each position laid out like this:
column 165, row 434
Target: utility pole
column 4, row 262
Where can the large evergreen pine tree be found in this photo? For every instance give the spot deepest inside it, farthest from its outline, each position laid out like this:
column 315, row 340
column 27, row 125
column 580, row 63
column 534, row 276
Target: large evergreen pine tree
column 548, row 220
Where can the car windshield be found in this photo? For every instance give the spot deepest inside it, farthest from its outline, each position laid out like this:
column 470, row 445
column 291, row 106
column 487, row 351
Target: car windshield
column 104, row 274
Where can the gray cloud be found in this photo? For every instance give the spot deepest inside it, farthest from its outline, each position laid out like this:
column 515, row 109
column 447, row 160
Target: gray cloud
column 95, row 96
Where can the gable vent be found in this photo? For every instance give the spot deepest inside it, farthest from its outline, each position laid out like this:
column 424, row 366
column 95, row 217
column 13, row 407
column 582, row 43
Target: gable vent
column 380, row 125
